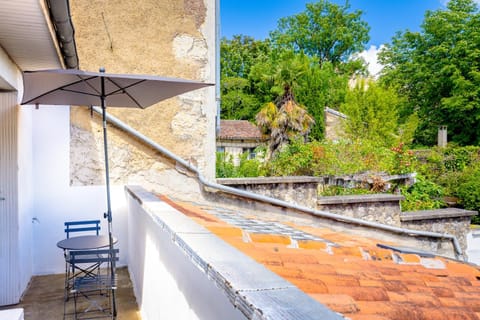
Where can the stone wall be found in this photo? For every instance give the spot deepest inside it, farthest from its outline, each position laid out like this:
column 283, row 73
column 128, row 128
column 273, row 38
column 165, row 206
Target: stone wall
column 297, row 190
column 450, row 220
column 334, row 122
column 382, row 208
column 172, row 38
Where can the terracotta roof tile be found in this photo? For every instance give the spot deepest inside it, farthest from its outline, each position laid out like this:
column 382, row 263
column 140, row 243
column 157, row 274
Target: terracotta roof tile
column 270, row 238
column 239, row 129
column 351, row 275
column 421, row 299
column 340, row 302
column 361, row 293
column 310, row 286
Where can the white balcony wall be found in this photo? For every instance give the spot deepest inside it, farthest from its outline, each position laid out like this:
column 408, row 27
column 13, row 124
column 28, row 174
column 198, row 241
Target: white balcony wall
column 166, row 282
column 55, row 201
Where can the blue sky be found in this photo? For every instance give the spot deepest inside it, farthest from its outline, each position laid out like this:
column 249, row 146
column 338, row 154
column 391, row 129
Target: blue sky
column 257, row 18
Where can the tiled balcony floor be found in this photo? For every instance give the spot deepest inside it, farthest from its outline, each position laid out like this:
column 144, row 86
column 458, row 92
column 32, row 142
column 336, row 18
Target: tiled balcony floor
column 44, row 298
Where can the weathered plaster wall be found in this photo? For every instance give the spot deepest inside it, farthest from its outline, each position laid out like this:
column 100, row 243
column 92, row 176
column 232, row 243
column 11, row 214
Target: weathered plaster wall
column 173, row 38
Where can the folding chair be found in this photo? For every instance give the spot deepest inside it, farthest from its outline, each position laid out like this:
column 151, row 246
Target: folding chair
column 93, row 291
column 82, row 227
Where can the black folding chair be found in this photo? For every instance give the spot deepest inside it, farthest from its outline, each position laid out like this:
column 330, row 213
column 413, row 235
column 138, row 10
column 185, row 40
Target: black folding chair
column 93, row 290
column 82, row 228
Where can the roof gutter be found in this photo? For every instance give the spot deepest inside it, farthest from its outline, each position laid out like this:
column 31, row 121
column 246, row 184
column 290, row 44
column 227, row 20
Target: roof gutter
column 217, row 66
column 241, row 193
column 62, row 22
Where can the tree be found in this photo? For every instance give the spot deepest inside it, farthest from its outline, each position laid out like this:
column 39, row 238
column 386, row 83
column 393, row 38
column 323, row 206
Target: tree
column 239, row 54
column 237, row 101
column 320, row 87
column 437, row 69
column 372, row 114
column 285, row 119
column 324, row 30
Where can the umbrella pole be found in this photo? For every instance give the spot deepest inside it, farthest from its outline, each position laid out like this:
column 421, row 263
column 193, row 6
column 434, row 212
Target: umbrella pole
column 108, row 214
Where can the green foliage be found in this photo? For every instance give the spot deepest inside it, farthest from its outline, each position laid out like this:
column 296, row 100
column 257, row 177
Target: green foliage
column 324, row 30
column 437, row 70
column 334, row 158
column 320, row 87
column 372, row 113
column 295, row 159
column 457, row 170
column 423, row 195
column 342, row 191
column 239, row 98
column 225, row 167
column 404, row 159
column 285, row 119
column 237, row 103
column 239, row 54
column 251, row 69
column 448, row 166
column 469, row 191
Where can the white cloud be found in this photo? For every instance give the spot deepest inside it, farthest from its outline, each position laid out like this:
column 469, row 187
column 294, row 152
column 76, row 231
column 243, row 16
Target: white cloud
column 370, row 57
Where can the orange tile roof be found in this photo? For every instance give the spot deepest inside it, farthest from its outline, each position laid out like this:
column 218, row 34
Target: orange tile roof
column 239, row 129
column 350, row 275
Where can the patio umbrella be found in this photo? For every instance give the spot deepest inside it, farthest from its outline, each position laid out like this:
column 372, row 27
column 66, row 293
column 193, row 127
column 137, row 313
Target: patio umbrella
column 82, row 88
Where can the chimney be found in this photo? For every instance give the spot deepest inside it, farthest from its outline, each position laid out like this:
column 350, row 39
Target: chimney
column 442, row 136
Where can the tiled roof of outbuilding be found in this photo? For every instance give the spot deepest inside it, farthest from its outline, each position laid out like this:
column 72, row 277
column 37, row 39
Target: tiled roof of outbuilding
column 351, row 275
column 239, row 129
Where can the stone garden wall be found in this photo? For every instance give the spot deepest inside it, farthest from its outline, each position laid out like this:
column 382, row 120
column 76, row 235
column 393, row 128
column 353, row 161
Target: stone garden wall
column 381, row 208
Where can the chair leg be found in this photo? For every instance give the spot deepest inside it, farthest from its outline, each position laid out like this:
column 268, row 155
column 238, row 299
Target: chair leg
column 113, row 304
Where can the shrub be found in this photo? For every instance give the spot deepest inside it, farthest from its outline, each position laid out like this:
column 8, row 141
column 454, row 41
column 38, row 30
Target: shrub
column 225, row 167
column 295, row 159
column 469, row 190
column 423, row 195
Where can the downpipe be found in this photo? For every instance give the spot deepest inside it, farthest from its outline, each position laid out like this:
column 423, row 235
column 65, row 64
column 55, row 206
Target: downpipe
column 250, row 195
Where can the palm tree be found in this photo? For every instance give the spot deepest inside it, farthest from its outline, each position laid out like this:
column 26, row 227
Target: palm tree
column 285, row 119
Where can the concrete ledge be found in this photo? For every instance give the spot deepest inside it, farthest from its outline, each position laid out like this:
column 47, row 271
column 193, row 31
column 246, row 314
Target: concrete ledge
column 269, row 180
column 11, row 314
column 359, row 198
column 436, row 214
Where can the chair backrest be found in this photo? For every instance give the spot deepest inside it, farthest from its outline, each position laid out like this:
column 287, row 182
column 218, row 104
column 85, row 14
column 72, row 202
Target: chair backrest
column 93, row 256
column 82, row 226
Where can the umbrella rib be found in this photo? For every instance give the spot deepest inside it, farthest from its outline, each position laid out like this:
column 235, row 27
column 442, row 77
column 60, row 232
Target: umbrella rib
column 123, row 90
column 63, row 88
column 81, row 92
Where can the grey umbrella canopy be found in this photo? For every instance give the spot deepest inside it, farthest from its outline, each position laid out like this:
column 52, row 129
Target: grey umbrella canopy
column 82, row 88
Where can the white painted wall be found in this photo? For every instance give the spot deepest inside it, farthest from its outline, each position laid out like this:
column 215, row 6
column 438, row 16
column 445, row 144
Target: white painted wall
column 167, row 284
column 55, row 201
column 473, row 246
column 25, row 197
column 15, row 194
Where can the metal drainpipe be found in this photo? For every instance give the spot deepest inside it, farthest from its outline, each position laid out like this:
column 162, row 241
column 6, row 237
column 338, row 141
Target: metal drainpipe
column 62, row 22
column 217, row 67
column 121, row 125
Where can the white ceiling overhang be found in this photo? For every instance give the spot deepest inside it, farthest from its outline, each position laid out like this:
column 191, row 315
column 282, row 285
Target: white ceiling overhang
column 27, row 37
